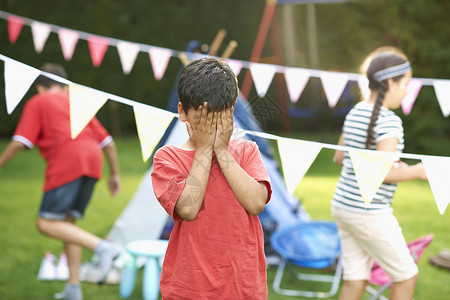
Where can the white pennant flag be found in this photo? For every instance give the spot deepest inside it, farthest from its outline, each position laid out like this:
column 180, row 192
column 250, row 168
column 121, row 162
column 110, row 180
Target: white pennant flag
column 159, row 58
column 151, row 123
column 442, row 90
column 438, row 173
column 18, row 79
column 235, row 65
column 262, row 75
column 333, row 84
column 40, row 33
column 294, row 168
column 127, row 54
column 363, row 84
column 68, row 40
column 296, row 80
column 84, row 104
column 371, row 167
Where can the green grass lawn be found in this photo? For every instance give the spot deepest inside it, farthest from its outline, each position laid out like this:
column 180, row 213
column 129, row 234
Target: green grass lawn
column 22, row 247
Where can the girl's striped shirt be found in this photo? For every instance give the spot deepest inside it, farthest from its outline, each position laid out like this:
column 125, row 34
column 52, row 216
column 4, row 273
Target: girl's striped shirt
column 388, row 124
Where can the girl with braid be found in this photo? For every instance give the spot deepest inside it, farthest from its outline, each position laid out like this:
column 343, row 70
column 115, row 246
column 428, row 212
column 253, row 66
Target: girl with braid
column 370, row 231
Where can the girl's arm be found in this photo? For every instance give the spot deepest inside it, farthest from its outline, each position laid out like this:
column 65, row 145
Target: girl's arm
column 339, row 155
column 402, row 172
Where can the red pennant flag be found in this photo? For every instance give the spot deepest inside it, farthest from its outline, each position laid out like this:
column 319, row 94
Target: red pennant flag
column 15, row 25
column 97, row 47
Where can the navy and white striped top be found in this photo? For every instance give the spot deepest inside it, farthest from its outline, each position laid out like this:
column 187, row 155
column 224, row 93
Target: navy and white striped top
column 347, row 194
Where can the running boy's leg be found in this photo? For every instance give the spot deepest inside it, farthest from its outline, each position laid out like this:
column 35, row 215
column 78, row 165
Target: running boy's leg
column 60, row 207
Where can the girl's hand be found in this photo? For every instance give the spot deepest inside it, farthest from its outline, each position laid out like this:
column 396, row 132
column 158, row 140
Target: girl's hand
column 421, row 174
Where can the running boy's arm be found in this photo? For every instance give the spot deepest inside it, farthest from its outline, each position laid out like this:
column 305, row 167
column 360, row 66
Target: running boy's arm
column 13, row 148
column 202, row 133
column 251, row 194
column 114, row 178
column 403, row 172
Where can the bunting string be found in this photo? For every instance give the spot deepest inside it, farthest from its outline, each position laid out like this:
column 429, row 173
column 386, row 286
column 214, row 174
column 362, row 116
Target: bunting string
column 262, row 74
column 264, row 135
column 152, row 122
column 175, row 53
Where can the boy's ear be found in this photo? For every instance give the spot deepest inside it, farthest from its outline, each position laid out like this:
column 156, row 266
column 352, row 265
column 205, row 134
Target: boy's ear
column 181, row 112
column 40, row 88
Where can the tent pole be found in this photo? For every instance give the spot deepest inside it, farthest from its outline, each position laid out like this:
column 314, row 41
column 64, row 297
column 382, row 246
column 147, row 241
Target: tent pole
column 281, row 84
column 269, row 12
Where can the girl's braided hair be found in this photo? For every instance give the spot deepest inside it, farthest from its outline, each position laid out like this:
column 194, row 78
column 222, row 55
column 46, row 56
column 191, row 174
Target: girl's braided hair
column 380, row 59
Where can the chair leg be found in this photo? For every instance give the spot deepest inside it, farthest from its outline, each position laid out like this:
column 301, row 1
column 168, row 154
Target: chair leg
column 307, row 277
column 128, row 281
column 377, row 294
column 150, row 285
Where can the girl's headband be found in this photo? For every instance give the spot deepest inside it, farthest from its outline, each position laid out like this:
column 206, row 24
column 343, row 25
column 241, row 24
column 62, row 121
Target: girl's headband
column 392, row 72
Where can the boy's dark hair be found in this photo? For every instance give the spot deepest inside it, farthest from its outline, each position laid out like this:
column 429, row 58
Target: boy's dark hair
column 207, row 80
column 52, row 69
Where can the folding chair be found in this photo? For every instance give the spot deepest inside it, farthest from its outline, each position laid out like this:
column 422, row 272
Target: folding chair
column 382, row 280
column 313, row 245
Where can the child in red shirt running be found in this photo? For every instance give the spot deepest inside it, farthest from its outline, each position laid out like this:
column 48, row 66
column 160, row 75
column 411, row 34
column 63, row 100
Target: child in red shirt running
column 213, row 188
column 73, row 167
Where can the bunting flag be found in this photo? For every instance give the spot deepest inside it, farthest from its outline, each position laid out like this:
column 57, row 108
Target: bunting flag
column 438, row 173
column 151, row 123
column 442, row 90
column 262, row 75
column 68, row 40
column 84, row 104
column 371, row 167
column 97, row 47
column 159, row 58
column 15, row 25
column 363, row 84
column 412, row 90
column 296, row 80
column 235, row 65
column 18, row 79
column 127, row 54
column 293, row 168
column 333, row 84
column 40, row 33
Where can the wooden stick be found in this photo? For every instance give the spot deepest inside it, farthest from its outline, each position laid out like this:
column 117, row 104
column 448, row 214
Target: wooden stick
column 230, row 49
column 184, row 59
column 217, row 41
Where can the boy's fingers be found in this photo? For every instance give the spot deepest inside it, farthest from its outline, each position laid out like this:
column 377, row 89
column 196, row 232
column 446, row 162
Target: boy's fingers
column 221, row 114
column 214, row 122
column 209, row 120
column 204, row 114
column 189, row 128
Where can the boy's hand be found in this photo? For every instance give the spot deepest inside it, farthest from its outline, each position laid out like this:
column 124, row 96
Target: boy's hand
column 203, row 130
column 224, row 129
column 114, row 185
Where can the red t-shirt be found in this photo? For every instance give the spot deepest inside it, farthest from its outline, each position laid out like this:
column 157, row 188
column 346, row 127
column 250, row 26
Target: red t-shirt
column 45, row 122
column 219, row 255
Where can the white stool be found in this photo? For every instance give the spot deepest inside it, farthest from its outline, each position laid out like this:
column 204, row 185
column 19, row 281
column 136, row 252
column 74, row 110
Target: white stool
column 152, row 250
